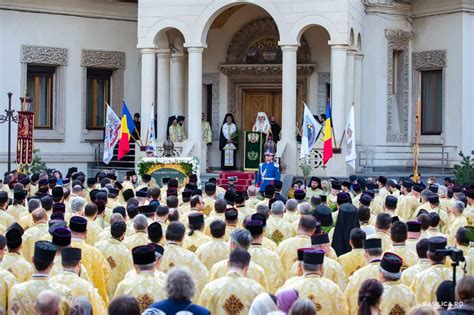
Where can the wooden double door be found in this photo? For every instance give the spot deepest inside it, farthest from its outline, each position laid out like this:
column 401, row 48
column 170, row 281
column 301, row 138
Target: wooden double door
column 268, row 101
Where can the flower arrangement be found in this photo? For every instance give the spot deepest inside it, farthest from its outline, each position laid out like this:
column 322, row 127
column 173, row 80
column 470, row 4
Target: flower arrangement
column 188, row 165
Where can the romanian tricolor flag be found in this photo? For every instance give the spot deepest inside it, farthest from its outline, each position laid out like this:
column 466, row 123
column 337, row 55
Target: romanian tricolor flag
column 327, row 149
column 124, row 145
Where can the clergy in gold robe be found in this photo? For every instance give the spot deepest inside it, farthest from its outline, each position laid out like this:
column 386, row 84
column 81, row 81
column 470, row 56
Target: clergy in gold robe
column 7, row 281
column 216, row 249
column 195, row 237
column 287, row 250
column 177, row 256
column 397, row 298
column 140, row 237
column 413, row 235
column 353, row 260
column 6, row 219
column 264, row 257
column 17, row 209
column 239, row 238
column 95, row 263
column 398, row 234
column 69, row 277
column 234, row 293
column 382, row 230
column 23, row 295
column 409, row 274
column 13, row 261
column 332, row 270
column 33, row 234
column 325, row 294
column 278, row 229
column 118, row 256
column 145, row 287
column 407, row 205
column 372, row 255
column 458, row 221
column 435, row 274
column 206, row 130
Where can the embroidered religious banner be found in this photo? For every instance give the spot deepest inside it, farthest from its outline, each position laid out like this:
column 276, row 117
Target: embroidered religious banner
column 24, row 143
column 253, row 149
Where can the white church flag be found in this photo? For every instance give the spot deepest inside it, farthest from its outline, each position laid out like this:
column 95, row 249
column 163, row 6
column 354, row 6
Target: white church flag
column 151, row 141
column 112, row 134
column 311, row 129
column 351, row 154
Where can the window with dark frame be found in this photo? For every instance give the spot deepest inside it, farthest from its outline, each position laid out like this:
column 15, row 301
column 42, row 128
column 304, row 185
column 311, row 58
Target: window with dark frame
column 431, row 102
column 97, row 94
column 40, row 87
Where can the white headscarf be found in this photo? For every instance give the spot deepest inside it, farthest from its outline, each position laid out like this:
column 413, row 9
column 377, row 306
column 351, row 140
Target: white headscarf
column 262, row 305
column 264, row 126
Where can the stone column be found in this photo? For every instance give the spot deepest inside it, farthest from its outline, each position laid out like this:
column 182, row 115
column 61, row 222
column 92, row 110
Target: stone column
column 350, row 79
column 338, row 89
column 195, row 101
column 358, row 96
column 288, row 130
column 337, row 165
column 177, row 99
column 148, row 88
column 163, row 88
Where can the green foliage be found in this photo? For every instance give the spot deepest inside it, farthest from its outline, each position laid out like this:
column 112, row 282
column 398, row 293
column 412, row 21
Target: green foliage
column 464, row 172
column 37, row 165
column 306, row 169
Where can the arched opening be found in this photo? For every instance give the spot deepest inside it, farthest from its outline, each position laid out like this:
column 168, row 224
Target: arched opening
column 351, row 37
column 359, row 42
column 317, row 38
column 170, row 91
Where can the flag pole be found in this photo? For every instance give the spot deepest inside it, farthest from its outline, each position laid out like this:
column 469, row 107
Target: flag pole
column 131, row 135
column 148, row 130
column 416, row 148
column 344, row 133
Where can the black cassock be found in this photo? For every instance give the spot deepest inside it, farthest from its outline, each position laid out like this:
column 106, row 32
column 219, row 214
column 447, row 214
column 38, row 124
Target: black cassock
column 228, row 157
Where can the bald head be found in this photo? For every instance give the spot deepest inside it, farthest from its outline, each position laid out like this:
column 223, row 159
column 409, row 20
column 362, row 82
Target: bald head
column 39, row 215
column 47, row 303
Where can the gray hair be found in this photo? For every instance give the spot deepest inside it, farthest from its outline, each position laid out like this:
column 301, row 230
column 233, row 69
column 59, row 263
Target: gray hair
column 278, row 207
column 263, row 209
column 140, row 223
column 303, row 306
column 33, row 204
column 442, row 191
column 146, row 267
column 311, row 267
column 47, row 302
column 291, row 204
column 425, row 193
column 180, row 285
column 81, row 306
column 241, row 238
column 390, row 276
column 459, row 205
column 252, row 191
column 115, row 218
column 78, row 204
column 76, row 189
column 305, row 208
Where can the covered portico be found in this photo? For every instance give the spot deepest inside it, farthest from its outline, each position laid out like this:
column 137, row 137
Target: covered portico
column 173, row 49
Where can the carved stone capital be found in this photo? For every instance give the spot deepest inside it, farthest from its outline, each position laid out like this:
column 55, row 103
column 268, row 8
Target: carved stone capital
column 398, row 39
column 103, row 59
column 44, row 55
column 433, row 59
column 230, row 70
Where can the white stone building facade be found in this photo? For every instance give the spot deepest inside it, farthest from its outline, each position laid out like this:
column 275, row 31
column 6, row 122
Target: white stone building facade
column 193, row 56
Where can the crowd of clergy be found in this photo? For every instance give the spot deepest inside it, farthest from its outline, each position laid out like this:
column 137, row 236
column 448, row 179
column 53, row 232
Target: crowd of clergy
column 104, row 245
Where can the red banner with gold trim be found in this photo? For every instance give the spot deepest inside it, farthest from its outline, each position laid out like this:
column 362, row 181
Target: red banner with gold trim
column 24, row 143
